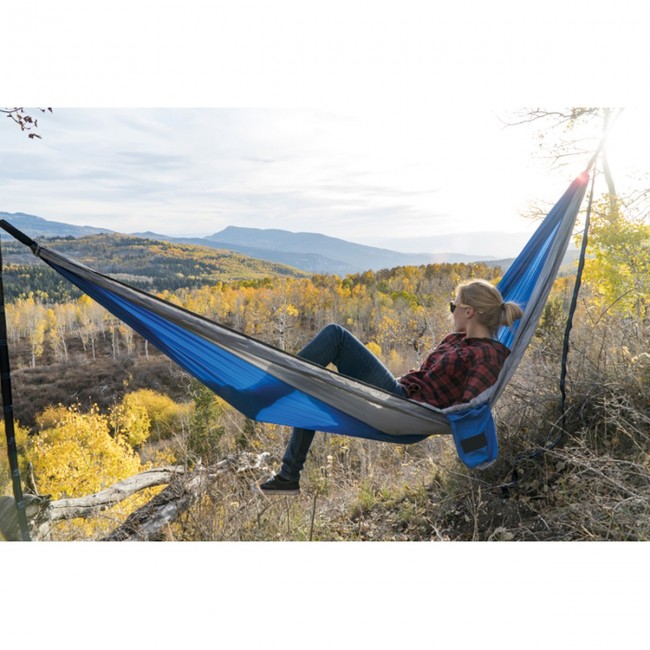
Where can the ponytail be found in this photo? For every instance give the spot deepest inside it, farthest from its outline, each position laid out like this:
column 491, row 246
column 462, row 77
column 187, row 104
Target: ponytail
column 510, row 312
column 491, row 310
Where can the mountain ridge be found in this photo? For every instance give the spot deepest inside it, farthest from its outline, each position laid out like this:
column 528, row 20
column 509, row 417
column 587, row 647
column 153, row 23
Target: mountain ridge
column 307, row 251
column 35, row 226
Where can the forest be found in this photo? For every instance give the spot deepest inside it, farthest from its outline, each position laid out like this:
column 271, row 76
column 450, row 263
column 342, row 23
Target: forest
column 143, row 263
column 115, row 442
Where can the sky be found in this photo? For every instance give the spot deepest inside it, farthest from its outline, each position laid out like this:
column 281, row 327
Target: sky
column 361, row 176
column 377, row 177
column 405, row 150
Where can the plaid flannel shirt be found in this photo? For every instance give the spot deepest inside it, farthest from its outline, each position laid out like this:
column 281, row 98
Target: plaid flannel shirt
column 456, row 371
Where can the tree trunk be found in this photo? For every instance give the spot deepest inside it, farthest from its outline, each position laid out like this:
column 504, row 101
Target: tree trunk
column 609, row 178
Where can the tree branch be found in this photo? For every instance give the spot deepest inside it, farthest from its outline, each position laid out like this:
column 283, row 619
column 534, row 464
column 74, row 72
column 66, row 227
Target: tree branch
column 24, row 120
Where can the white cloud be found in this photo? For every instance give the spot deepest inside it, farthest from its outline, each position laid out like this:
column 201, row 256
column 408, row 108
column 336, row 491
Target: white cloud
column 363, row 176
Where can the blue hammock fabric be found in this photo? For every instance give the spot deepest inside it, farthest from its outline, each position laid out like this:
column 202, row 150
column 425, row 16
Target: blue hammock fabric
column 270, row 385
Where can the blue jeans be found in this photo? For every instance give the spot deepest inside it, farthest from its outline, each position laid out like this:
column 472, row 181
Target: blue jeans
column 334, row 344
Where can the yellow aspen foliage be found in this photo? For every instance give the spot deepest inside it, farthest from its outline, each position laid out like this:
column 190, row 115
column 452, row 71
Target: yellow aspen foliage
column 396, row 364
column 49, row 418
column 84, row 302
column 389, row 329
column 74, row 455
column 619, row 266
column 21, row 434
column 374, row 348
column 37, row 339
column 165, row 416
column 131, row 421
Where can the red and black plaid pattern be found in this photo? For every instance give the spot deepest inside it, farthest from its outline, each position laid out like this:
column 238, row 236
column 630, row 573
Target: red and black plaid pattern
column 456, row 371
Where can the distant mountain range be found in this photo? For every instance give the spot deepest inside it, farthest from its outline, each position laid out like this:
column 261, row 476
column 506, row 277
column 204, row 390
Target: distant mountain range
column 38, row 227
column 311, row 252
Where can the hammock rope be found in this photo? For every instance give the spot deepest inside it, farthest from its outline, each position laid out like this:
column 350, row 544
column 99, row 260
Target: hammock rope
column 574, row 304
column 566, row 342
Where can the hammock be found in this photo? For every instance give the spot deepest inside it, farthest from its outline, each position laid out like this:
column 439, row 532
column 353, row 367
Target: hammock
column 270, row 385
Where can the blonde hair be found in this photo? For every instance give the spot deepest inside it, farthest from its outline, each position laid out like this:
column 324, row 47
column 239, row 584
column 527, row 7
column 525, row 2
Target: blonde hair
column 492, row 311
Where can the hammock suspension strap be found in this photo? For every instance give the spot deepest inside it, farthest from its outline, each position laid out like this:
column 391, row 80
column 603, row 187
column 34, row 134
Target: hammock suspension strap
column 574, row 304
column 7, row 407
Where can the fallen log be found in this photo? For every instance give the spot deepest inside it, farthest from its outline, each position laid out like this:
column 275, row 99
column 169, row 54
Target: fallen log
column 92, row 505
column 147, row 523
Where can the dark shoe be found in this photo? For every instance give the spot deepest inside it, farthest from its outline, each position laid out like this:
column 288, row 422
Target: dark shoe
column 279, row 485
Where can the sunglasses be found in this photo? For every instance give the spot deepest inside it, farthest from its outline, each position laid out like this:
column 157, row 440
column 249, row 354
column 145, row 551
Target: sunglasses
column 453, row 305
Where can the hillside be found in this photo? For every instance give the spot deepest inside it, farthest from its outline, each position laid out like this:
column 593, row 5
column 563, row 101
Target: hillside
column 585, row 479
column 308, row 251
column 143, row 263
column 38, row 227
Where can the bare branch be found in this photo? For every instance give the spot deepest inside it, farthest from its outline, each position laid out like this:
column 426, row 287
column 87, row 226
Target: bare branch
column 567, row 118
column 24, row 120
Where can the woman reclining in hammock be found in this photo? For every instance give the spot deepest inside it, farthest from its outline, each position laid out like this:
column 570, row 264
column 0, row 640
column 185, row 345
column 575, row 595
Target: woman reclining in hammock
column 464, row 364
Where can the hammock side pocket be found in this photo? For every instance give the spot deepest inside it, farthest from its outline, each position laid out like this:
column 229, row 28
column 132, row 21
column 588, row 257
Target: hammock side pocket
column 475, row 436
